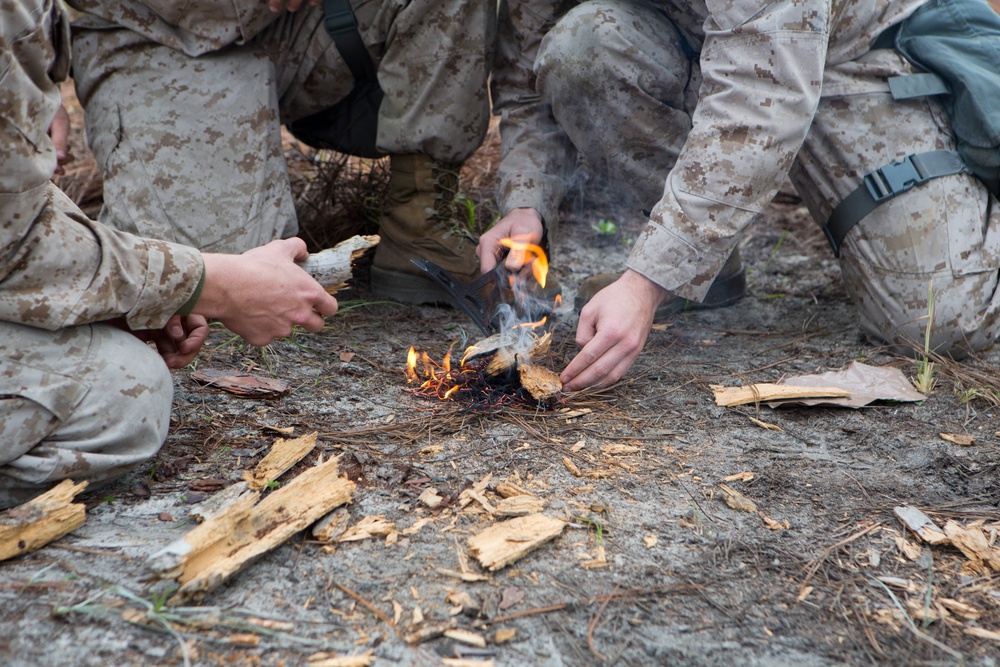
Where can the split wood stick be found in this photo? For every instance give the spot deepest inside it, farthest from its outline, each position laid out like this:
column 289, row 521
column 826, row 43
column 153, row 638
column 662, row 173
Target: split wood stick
column 37, row 522
column 219, row 548
column 759, row 393
column 332, row 267
column 283, row 455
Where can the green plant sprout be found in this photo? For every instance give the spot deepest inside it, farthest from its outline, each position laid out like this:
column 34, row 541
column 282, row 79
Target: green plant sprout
column 604, row 227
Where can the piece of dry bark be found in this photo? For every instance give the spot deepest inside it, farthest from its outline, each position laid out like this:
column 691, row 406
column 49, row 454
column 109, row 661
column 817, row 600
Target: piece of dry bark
column 283, row 455
column 972, row 542
column 920, row 524
column 542, row 383
column 220, row 547
column 761, row 392
column 503, row 543
column 241, row 384
column 332, row 526
column 737, row 500
column 48, row 517
column 332, row 268
column 508, row 489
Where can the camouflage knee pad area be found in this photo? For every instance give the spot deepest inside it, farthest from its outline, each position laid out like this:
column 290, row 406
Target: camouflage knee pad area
column 86, row 403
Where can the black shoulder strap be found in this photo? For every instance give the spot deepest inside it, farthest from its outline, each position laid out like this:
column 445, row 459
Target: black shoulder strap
column 340, row 22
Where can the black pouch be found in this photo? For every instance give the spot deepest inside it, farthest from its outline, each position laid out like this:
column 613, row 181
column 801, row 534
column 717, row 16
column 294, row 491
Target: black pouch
column 350, row 126
column 959, row 41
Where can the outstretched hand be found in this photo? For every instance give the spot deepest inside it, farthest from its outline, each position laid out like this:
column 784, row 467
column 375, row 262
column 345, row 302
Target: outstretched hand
column 262, row 294
column 522, row 224
column 612, row 330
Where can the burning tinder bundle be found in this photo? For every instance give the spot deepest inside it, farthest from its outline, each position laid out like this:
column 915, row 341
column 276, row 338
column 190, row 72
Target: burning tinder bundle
column 507, row 365
column 502, row 368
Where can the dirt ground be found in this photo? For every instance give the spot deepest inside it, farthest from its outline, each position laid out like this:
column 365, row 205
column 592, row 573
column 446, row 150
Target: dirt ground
column 822, row 574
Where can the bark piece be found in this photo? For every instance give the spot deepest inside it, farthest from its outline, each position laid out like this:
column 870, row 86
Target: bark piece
column 737, row 500
column 542, row 383
column 503, row 543
column 920, row 524
column 759, row 393
column 220, row 547
column 332, row 526
column 37, row 522
column 241, row 384
column 283, row 455
column 332, row 267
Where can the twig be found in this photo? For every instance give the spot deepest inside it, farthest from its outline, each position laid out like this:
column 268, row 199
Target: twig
column 93, row 552
column 811, row 568
column 530, row 612
column 593, row 624
column 370, row 607
column 921, row 635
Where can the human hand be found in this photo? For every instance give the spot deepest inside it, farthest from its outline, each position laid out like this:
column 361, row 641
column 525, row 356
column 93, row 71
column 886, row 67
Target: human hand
column 612, row 331
column 179, row 341
column 59, row 133
column 522, row 224
column 262, row 294
column 291, row 5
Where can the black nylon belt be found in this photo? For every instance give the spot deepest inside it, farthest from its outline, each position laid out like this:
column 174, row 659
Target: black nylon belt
column 340, row 22
column 885, row 183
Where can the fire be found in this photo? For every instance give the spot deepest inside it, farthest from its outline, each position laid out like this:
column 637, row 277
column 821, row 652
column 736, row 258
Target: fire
column 529, row 254
column 472, row 379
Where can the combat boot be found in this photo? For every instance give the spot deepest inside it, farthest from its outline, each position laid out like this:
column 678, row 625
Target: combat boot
column 420, row 222
column 727, row 288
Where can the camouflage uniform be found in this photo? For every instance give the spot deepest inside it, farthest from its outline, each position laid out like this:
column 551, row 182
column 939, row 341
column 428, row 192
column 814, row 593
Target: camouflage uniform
column 722, row 102
column 78, row 398
column 184, row 102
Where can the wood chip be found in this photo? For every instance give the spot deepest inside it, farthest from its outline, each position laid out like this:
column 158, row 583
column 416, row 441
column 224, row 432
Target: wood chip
column 47, row 517
column 369, row 526
column 598, row 561
column 462, row 576
column 465, row 662
column 908, row 549
column 649, row 541
column 430, row 497
column 503, row 543
column 759, row 393
column 542, row 383
column 508, row 489
column 283, row 455
column 218, row 548
column 737, row 500
column 921, row 524
column 330, row 660
column 519, row 506
column 765, row 425
column 972, row 541
column 466, row 637
column 965, row 610
column 958, row 438
column 983, row 633
column 739, row 477
column 504, row 635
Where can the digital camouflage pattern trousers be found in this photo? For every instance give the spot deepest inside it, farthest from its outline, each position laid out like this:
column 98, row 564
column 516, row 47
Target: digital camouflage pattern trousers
column 626, row 98
column 87, row 402
column 190, row 146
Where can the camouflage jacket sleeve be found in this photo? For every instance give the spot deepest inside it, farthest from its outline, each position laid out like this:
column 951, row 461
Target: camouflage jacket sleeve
column 57, row 268
column 763, row 67
column 537, row 157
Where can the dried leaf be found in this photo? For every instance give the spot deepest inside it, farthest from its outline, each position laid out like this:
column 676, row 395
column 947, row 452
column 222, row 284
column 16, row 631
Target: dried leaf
column 958, row 438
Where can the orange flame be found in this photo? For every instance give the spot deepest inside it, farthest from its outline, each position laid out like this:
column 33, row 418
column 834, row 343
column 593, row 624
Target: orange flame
column 532, row 254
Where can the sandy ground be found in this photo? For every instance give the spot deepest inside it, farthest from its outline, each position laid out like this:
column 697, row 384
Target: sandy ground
column 822, row 574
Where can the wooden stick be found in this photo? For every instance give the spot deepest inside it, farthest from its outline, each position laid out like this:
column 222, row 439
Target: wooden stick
column 332, row 267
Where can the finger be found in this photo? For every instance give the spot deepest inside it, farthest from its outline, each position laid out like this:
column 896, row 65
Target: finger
column 326, row 307
column 297, row 249
column 585, row 359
